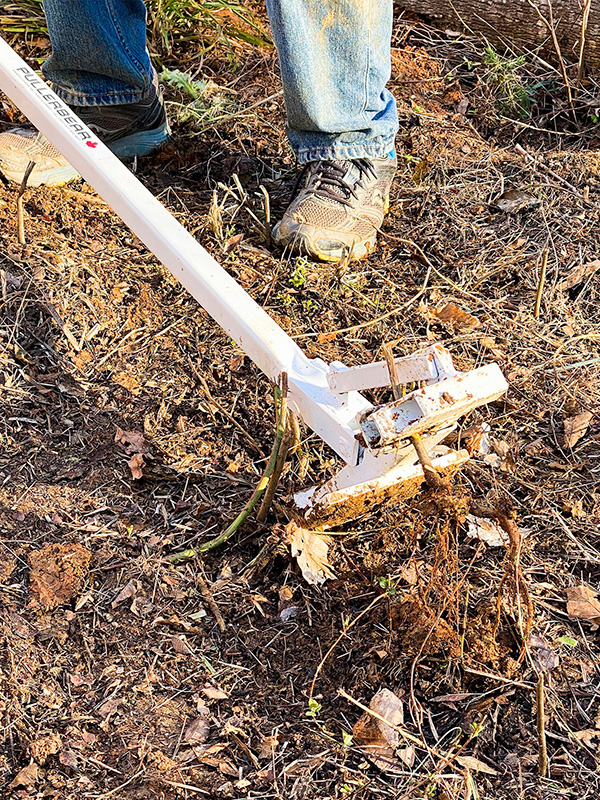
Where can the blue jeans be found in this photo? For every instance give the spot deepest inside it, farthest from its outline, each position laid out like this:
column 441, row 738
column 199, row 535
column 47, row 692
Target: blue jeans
column 334, row 57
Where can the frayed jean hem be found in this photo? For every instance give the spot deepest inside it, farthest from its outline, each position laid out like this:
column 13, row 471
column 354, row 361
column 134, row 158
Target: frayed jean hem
column 346, row 152
column 80, row 100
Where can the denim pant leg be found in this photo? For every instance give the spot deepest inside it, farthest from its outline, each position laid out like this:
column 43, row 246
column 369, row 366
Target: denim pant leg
column 99, row 54
column 335, row 63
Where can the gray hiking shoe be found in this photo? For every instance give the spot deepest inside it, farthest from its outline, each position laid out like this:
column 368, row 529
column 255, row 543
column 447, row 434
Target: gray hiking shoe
column 337, row 208
column 134, row 129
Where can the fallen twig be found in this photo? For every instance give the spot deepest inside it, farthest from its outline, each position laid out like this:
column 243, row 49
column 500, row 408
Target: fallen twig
column 541, row 728
column 393, row 372
column 549, row 23
column 538, row 165
column 224, row 411
column 207, row 595
column 20, row 209
column 267, row 204
column 582, row 41
column 540, row 289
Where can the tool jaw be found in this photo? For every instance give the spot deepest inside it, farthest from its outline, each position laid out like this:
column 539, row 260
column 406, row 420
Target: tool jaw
column 387, row 465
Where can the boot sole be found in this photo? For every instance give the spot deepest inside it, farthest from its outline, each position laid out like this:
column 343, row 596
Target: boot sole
column 140, row 144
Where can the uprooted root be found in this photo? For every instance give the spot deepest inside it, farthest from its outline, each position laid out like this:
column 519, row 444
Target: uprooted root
column 455, row 504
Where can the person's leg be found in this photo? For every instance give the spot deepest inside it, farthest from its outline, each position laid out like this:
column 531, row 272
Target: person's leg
column 101, row 68
column 99, row 54
column 335, row 63
column 342, row 121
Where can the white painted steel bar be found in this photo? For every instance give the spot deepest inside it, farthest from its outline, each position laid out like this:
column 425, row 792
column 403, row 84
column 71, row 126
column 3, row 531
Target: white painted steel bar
column 434, row 406
column 431, row 364
column 332, row 417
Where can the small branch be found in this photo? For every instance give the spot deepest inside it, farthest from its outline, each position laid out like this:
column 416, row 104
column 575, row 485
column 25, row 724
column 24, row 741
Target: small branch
column 393, row 372
column 542, row 280
column 432, row 476
column 421, row 743
column 20, row 209
column 541, row 728
column 339, row 639
column 540, row 167
column 549, row 23
column 62, row 325
column 584, row 25
column 267, row 204
column 224, row 411
column 207, row 595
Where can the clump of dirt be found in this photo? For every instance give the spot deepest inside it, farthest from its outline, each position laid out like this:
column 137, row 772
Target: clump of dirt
column 57, row 573
column 44, row 747
column 422, row 631
column 486, row 646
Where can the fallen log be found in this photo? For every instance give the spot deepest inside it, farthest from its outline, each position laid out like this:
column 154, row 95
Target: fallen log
column 515, row 22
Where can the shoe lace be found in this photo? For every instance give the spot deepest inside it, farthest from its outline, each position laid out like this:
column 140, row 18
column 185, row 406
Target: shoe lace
column 329, row 179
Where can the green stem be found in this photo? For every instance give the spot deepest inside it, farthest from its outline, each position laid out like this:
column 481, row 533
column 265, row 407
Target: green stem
column 256, row 494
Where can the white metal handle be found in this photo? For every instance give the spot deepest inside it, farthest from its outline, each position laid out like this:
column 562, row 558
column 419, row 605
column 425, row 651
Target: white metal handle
column 332, row 417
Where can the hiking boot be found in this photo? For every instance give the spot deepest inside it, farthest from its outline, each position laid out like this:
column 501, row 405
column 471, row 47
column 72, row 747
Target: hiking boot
column 134, row 129
column 337, row 208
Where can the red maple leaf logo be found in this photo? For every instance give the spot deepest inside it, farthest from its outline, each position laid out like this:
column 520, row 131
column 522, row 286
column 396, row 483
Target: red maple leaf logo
column 89, row 143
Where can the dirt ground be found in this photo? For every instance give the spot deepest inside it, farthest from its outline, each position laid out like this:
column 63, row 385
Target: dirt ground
column 133, row 427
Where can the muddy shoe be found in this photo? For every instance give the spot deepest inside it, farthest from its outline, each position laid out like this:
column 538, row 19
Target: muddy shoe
column 134, row 129
column 337, row 208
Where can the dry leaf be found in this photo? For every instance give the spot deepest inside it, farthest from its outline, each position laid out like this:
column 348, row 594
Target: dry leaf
column 127, row 382
column 214, row 694
column 586, row 736
column 579, row 274
column 475, row 765
column 110, row 707
column 574, row 508
column 487, row 530
column 544, row 657
column 575, row 427
column 502, row 458
column 27, row 777
column 126, row 592
column 536, row 448
column 323, row 338
column 476, row 439
column 130, row 441
column 45, row 746
column 452, row 317
column 197, row 731
column 135, row 464
column 180, row 646
column 227, row 767
column 267, row 747
column 310, row 551
column 514, row 200
column 68, row 758
column 378, row 739
column 583, row 604
column 236, row 363
column 232, row 243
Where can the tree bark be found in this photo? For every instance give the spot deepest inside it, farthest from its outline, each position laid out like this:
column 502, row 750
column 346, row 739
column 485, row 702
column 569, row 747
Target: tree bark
column 506, row 22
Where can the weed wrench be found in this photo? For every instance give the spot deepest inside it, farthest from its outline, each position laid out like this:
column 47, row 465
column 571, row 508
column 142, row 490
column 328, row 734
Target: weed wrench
column 374, row 442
